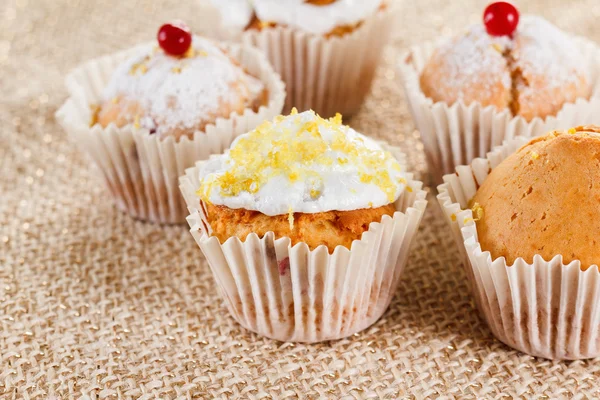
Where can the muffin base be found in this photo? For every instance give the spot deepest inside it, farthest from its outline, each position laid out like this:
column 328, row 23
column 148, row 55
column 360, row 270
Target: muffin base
column 291, row 293
column 545, row 309
column 337, row 228
column 140, row 169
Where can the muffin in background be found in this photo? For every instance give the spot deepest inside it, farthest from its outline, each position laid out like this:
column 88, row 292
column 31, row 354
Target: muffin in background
column 312, row 44
column 146, row 114
column 517, row 76
column 319, row 219
column 532, row 74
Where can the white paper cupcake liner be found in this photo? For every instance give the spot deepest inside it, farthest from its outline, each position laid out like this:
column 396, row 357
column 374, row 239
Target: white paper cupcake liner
column 455, row 134
column 325, row 74
column 545, row 309
column 295, row 294
column 141, row 170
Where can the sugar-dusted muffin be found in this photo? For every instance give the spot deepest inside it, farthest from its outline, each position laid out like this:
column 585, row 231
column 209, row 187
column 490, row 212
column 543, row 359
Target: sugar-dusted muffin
column 146, row 114
column 533, row 73
column 505, row 77
column 304, row 177
column 179, row 95
column 544, row 199
column 321, row 17
column 306, row 226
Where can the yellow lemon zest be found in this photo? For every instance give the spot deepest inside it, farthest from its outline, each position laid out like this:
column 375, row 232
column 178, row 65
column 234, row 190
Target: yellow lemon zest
column 477, row 212
column 290, row 147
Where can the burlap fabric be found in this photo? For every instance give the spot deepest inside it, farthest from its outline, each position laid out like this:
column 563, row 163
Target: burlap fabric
column 96, row 305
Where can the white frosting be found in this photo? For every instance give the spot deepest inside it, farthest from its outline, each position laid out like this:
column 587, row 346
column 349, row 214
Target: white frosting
column 297, row 13
column 178, row 93
column 302, row 163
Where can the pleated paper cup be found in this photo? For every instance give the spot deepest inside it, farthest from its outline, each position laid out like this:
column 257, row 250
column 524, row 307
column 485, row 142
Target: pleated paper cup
column 291, row 293
column 455, row 134
column 547, row 309
column 325, row 74
column 140, row 169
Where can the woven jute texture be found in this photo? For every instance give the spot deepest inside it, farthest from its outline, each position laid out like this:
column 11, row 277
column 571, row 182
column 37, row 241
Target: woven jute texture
column 96, row 305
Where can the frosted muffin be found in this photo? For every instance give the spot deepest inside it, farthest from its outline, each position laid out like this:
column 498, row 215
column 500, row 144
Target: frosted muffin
column 312, row 44
column 304, row 177
column 146, row 114
column 179, row 95
column 320, row 17
column 538, row 200
column 306, row 225
column 532, row 73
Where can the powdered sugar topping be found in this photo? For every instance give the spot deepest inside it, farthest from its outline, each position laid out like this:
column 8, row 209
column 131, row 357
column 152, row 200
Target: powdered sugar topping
column 179, row 93
column 540, row 48
column 477, row 59
column 473, row 58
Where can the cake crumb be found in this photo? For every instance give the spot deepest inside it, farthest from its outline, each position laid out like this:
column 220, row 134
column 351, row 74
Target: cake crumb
column 534, row 155
column 94, row 109
column 497, row 47
column 477, row 212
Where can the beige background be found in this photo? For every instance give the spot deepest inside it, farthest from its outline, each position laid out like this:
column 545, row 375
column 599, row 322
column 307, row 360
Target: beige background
column 96, row 305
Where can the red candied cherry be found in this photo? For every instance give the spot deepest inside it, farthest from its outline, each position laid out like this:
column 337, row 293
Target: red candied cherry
column 175, row 38
column 501, row 18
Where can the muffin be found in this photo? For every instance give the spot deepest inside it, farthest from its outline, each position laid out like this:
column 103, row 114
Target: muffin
column 532, row 74
column 147, row 114
column 309, row 207
column 313, row 45
column 525, row 218
column 469, row 93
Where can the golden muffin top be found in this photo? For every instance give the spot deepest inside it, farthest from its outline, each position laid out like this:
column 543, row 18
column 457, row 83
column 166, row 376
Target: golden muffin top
column 544, row 199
